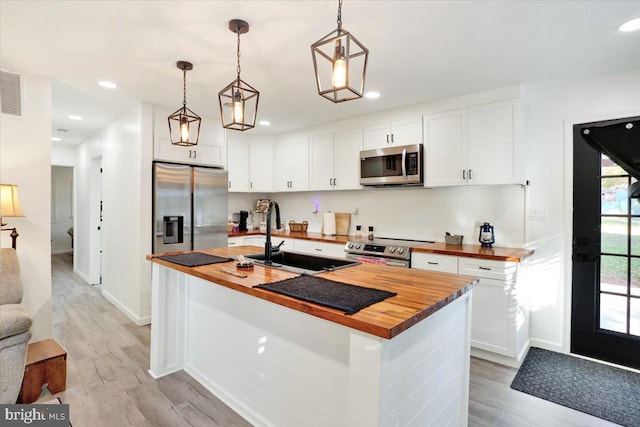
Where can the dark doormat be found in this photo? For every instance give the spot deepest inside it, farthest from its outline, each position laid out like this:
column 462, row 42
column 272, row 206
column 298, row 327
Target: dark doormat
column 603, row 391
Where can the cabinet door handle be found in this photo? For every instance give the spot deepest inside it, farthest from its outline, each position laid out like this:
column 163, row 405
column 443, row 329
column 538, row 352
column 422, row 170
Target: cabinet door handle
column 318, row 249
column 464, row 174
column 469, row 173
column 484, row 268
column 251, row 184
column 195, row 154
column 387, row 138
column 229, row 184
column 432, row 263
column 189, row 153
column 392, row 138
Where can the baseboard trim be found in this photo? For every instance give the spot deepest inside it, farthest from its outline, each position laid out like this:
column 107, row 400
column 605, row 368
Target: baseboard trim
column 227, row 398
column 62, row 251
column 139, row 321
column 548, row 345
column 83, row 276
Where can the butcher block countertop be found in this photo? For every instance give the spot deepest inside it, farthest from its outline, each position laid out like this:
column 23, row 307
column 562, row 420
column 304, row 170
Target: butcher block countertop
column 475, row 251
column 471, row 251
column 420, row 293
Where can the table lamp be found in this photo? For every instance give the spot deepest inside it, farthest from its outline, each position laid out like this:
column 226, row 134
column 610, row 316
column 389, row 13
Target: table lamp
column 10, row 207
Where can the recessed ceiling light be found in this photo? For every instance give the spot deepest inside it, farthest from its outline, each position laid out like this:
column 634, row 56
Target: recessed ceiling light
column 72, row 117
column 108, row 85
column 372, row 95
column 264, row 123
column 632, row 25
column 55, row 138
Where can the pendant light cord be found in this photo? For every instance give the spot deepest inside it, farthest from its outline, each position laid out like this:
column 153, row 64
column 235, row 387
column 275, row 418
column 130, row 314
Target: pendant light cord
column 184, row 87
column 238, row 69
column 339, row 15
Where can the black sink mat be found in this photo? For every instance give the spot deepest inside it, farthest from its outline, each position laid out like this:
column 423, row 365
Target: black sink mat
column 194, row 259
column 341, row 296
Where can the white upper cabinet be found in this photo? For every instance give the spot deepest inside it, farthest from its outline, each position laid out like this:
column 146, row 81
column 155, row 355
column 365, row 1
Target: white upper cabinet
column 334, row 160
column 397, row 132
column 473, row 146
column 494, row 131
column 445, row 148
column 291, row 165
column 238, row 166
column 348, row 145
column 321, row 160
column 261, row 168
column 208, row 152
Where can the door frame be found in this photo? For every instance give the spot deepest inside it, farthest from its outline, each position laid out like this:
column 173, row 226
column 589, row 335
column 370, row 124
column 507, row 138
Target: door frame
column 567, row 211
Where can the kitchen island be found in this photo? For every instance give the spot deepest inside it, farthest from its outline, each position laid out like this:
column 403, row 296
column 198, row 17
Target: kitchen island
column 281, row 361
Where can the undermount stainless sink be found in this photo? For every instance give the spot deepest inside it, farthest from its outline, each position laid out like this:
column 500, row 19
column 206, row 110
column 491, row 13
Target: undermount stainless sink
column 303, row 263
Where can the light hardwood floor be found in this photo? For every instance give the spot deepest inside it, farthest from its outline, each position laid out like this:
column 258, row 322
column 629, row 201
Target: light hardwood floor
column 108, row 384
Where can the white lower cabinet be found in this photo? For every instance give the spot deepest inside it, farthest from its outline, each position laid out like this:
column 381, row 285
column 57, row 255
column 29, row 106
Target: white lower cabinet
column 500, row 314
column 312, row 247
column 434, row 262
column 257, row 240
column 235, row 241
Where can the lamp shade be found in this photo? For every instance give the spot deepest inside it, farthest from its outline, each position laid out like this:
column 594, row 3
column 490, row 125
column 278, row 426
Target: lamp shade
column 9, row 205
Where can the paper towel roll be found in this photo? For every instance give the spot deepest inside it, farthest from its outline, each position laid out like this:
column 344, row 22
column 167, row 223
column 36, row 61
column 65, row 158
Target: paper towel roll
column 329, row 224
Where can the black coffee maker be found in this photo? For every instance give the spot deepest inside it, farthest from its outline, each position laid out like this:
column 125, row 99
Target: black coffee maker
column 244, row 215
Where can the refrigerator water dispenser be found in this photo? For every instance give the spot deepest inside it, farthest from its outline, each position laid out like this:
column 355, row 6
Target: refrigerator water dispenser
column 173, row 229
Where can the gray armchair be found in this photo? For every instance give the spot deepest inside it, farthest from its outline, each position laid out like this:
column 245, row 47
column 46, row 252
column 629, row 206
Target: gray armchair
column 14, row 327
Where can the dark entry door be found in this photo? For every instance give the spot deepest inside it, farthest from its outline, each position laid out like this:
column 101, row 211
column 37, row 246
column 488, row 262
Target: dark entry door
column 605, row 311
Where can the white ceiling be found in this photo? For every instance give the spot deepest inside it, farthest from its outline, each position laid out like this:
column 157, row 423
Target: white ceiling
column 419, row 51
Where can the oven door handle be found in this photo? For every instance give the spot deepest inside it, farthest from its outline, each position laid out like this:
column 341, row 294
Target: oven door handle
column 404, row 163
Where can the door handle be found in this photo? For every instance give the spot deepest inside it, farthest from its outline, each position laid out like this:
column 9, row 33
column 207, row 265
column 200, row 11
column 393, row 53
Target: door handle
column 387, row 138
column 195, row 154
column 404, row 162
column 189, row 153
column 392, row 138
column 464, row 174
column 470, row 174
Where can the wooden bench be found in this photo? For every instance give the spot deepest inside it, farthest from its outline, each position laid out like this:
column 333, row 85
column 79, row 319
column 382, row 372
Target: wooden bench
column 46, row 364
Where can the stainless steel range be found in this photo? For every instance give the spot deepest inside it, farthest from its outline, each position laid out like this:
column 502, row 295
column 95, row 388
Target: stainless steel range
column 382, row 251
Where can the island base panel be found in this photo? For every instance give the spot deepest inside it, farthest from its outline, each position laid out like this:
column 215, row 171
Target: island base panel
column 277, row 366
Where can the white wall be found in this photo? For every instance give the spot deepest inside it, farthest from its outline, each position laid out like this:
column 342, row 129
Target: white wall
column 552, row 110
column 409, row 213
column 88, row 183
column 126, row 224
column 25, row 160
column 63, row 155
column 61, row 208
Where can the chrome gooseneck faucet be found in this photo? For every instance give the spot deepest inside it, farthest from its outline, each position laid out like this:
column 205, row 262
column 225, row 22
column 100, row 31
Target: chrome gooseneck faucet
column 267, row 245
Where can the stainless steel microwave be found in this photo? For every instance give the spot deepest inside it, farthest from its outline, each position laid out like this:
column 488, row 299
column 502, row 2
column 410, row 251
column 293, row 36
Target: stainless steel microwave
column 399, row 165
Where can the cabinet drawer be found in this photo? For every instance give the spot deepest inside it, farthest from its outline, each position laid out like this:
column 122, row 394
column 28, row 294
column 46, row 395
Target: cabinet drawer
column 320, row 248
column 499, row 270
column 434, row 262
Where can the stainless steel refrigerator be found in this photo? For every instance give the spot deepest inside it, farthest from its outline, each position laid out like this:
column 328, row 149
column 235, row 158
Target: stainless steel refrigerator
column 189, row 207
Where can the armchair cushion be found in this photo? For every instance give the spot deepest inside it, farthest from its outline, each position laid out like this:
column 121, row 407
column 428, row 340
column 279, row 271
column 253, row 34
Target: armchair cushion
column 14, row 320
column 10, row 284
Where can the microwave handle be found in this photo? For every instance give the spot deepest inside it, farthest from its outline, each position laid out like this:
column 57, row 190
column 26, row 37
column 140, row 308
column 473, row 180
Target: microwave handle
column 404, row 163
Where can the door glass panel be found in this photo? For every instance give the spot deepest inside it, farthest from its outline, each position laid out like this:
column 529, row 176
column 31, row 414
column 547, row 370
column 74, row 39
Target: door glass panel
column 614, row 195
column 613, row 313
column 635, row 276
column 614, row 235
column 635, row 316
column 613, row 274
column 635, row 236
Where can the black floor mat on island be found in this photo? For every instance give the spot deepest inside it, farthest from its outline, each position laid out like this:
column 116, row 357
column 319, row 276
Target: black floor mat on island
column 194, row 259
column 603, row 391
column 341, row 296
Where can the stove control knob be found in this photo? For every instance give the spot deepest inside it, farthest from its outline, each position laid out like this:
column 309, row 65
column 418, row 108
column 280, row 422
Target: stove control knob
column 357, row 245
column 400, row 251
column 392, row 249
column 350, row 245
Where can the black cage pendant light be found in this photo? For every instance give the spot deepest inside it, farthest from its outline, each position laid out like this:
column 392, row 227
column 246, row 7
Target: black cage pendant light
column 238, row 100
column 184, row 124
column 340, row 64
